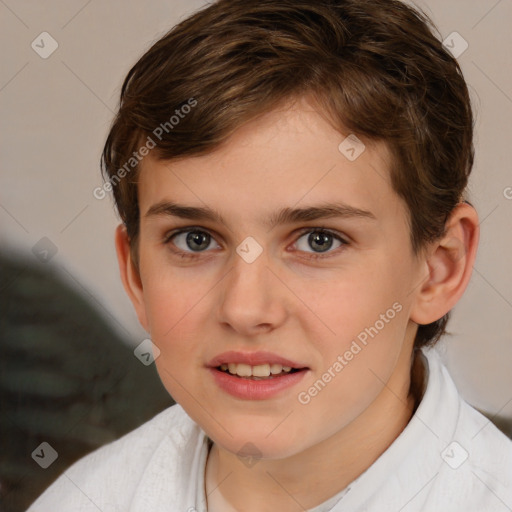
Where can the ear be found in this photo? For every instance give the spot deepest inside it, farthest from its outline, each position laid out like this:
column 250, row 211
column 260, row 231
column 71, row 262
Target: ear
column 130, row 275
column 448, row 266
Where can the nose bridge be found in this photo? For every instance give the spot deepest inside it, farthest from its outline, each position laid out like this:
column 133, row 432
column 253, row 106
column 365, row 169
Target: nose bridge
column 248, row 276
column 249, row 297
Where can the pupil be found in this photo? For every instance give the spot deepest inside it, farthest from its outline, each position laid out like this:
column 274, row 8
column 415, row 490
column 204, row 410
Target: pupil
column 322, row 240
column 201, row 239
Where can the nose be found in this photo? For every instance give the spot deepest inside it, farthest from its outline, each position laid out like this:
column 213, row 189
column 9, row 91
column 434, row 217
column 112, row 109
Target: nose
column 253, row 300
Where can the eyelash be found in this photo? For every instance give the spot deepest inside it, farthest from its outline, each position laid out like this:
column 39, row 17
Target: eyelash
column 302, row 232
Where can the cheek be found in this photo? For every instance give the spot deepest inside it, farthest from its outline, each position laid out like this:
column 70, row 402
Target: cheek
column 365, row 318
column 171, row 293
column 348, row 303
column 354, row 364
column 176, row 306
column 175, row 319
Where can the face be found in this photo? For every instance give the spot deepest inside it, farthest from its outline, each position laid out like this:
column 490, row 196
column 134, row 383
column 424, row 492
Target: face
column 253, row 271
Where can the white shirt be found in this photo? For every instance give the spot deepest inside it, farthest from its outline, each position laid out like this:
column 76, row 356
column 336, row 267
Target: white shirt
column 448, row 458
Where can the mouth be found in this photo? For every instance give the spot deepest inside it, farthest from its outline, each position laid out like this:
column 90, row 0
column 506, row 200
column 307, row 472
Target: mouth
column 264, row 371
column 261, row 365
column 258, row 375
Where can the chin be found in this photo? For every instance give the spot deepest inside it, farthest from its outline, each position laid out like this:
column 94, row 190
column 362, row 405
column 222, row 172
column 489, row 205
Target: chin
column 254, row 443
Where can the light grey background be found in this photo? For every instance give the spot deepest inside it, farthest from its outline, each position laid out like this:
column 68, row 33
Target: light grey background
column 56, row 113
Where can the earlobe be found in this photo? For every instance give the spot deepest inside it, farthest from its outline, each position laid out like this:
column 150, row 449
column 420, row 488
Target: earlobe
column 449, row 266
column 130, row 275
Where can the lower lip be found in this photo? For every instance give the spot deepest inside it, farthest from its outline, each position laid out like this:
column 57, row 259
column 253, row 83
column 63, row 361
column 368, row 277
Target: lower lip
column 249, row 389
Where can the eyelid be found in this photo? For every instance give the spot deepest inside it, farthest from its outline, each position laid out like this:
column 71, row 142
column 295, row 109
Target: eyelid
column 185, row 229
column 341, row 237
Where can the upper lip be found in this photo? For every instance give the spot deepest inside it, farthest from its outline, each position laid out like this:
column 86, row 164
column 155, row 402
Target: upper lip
column 252, row 359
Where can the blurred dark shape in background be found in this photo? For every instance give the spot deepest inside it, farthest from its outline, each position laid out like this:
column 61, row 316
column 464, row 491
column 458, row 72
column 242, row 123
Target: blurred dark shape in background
column 66, row 378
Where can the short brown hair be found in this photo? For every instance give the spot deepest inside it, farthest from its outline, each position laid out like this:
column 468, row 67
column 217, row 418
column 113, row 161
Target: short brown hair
column 374, row 67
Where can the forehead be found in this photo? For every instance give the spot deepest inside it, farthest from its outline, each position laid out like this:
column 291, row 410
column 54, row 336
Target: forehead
column 290, row 156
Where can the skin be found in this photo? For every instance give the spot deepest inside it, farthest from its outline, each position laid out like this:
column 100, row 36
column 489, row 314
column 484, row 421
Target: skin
column 308, row 310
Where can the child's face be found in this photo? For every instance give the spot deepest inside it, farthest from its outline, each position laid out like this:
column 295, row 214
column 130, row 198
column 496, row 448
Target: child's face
column 285, row 302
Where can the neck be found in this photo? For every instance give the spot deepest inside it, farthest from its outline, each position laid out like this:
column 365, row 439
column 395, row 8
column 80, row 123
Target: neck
column 311, row 477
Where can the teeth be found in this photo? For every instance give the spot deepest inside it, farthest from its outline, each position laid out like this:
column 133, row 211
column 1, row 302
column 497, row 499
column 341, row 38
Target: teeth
column 243, row 370
column 275, row 369
column 261, row 370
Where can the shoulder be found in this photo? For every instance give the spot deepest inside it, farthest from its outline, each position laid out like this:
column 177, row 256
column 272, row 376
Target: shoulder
column 475, row 469
column 475, row 472
column 107, row 477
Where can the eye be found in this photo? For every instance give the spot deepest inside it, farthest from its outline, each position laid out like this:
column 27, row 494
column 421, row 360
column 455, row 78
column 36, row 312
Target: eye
column 320, row 240
column 190, row 241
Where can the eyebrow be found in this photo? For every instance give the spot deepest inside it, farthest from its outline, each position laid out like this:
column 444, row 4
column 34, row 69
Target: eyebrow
column 283, row 216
